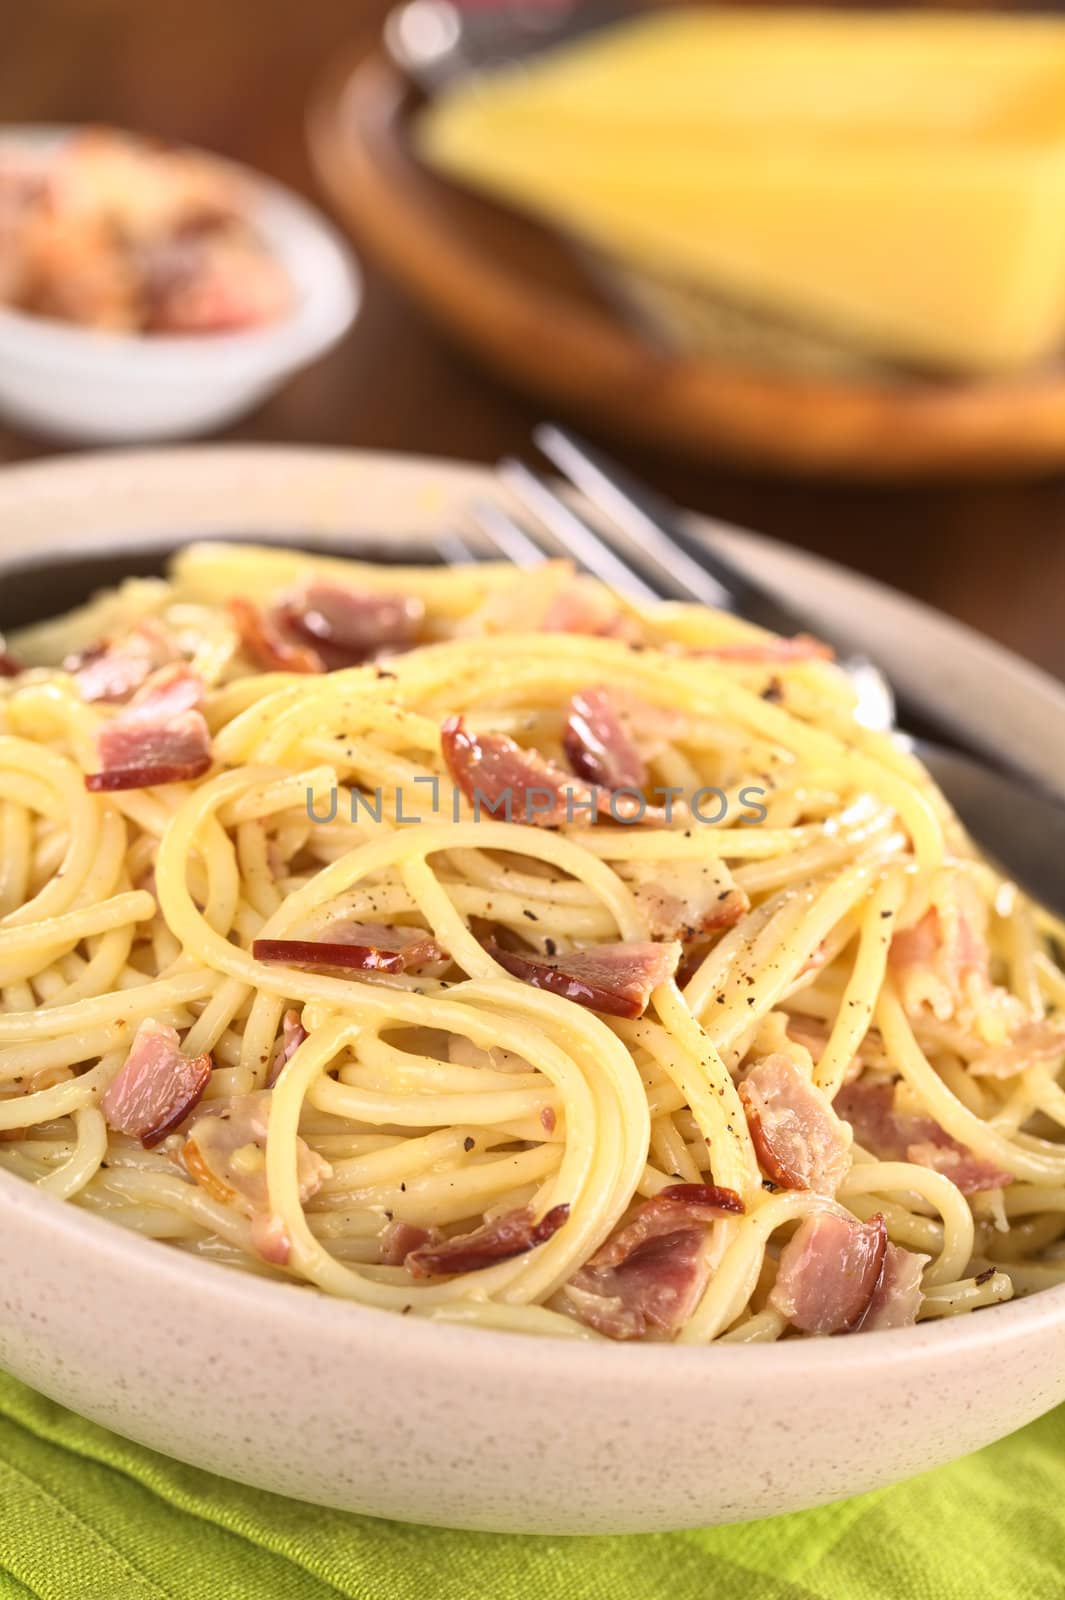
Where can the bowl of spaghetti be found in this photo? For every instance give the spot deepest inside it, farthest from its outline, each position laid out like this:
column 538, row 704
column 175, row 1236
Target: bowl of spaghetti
column 478, row 1051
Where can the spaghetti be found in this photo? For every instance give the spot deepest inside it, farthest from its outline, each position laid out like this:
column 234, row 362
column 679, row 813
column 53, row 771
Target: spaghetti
column 477, row 945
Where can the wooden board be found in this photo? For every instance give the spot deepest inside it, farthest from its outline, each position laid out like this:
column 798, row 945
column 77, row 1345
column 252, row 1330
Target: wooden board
column 516, row 297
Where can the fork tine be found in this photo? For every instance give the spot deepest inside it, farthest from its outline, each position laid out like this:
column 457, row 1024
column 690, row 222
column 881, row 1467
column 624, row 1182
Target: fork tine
column 630, row 524
column 453, row 550
column 508, row 536
column 572, row 534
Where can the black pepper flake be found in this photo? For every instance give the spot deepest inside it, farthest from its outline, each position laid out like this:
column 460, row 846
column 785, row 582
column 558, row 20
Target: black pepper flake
column 984, row 1277
column 773, row 691
column 750, row 999
column 531, row 916
column 405, row 1309
column 403, row 1188
column 468, row 1143
column 550, row 947
column 389, row 1215
column 887, row 913
column 724, row 893
column 767, row 1183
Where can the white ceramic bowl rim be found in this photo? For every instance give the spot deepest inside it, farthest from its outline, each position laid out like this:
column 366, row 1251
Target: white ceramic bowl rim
column 144, row 499
column 324, row 277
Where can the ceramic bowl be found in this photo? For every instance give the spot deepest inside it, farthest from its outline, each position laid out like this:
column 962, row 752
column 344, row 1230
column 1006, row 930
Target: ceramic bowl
column 345, row 1406
column 80, row 384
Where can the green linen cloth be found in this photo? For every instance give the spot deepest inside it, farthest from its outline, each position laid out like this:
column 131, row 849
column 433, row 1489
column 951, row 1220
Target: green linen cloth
column 84, row 1515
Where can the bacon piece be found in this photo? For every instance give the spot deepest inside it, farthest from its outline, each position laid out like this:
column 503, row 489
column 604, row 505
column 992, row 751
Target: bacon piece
column 348, row 626
column 829, row 1272
column 156, row 1087
column 897, row 1298
column 1033, row 1042
column 597, row 744
column 868, row 1104
column 357, row 947
column 617, row 979
column 509, row 1235
column 803, row 647
column 114, row 669
column 265, row 643
column 399, row 1239
column 493, row 771
column 225, row 1153
column 650, row 1275
column 215, row 278
column 160, row 737
column 684, row 901
column 293, row 1034
column 800, row 1141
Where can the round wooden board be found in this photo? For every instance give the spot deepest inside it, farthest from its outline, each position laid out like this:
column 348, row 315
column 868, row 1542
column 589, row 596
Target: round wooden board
column 516, row 297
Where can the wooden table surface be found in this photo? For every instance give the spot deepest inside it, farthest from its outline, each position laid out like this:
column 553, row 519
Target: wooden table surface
column 234, row 75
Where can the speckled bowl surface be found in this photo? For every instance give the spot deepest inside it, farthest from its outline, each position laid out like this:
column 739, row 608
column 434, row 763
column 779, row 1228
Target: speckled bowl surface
column 280, row 1387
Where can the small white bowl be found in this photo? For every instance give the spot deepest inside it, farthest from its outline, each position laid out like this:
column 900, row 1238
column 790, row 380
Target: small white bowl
column 110, row 388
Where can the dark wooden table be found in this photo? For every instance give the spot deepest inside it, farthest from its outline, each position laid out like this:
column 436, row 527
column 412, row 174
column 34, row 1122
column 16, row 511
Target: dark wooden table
column 235, row 74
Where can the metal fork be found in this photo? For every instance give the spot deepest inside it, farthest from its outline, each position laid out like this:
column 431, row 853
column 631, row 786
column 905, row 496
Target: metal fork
column 641, row 548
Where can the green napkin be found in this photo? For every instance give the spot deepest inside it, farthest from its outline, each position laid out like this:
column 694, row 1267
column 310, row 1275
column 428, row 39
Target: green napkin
column 84, row 1515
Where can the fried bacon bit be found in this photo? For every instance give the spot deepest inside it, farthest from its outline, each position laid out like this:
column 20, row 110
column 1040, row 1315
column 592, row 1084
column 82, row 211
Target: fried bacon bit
column 509, row 1235
column 548, row 1120
column 897, row 1298
column 114, row 669
column 156, row 1087
column 357, row 947
column 349, row 626
column 684, row 901
column 495, row 772
column 799, row 1140
column 266, row 644
column 617, row 979
column 829, row 1273
column 597, row 744
column 160, row 737
column 803, row 647
column 293, row 1034
column 650, row 1276
column 868, row 1104
column 1033, row 1042
column 399, row 1239
column 225, row 1153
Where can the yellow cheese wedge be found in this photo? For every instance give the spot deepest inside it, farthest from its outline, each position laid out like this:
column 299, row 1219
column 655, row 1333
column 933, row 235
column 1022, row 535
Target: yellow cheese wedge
column 895, row 179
